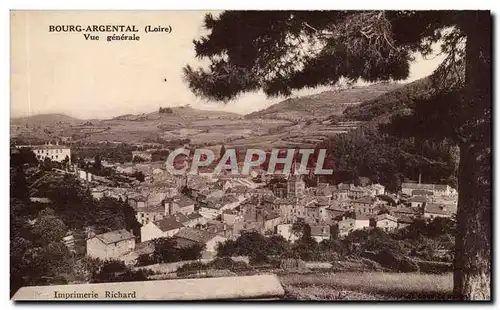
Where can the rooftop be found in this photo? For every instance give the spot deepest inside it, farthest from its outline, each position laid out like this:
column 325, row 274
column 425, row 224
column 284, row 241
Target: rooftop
column 361, row 217
column 385, row 217
column 185, row 201
column 365, row 200
column 436, row 209
column 421, row 192
column 168, row 223
column 49, row 147
column 419, row 199
column 115, row 236
column 196, row 235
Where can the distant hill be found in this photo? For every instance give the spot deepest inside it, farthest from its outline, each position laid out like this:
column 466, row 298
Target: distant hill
column 324, row 104
column 183, row 112
column 298, row 122
column 381, row 108
column 44, row 120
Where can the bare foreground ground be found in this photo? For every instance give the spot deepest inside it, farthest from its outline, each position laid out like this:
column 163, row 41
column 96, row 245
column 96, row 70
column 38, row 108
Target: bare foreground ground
column 368, row 286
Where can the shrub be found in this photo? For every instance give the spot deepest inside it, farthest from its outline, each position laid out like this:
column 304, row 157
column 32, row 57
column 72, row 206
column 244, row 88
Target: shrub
column 258, row 258
column 434, row 267
column 116, row 271
column 145, row 260
column 222, row 263
column 228, row 263
column 190, row 267
column 392, row 260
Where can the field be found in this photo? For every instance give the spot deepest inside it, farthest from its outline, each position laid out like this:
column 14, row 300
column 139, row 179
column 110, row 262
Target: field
column 295, row 122
column 368, row 286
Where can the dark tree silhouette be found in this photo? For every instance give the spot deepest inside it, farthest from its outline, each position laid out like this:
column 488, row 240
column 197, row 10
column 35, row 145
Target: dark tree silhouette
column 97, row 163
column 281, row 51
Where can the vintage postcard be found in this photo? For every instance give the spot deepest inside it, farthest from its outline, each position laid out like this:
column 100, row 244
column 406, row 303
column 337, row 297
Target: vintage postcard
column 250, row 155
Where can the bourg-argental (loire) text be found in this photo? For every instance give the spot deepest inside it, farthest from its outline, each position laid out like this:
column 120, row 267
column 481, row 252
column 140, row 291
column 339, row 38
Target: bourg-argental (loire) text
column 93, row 28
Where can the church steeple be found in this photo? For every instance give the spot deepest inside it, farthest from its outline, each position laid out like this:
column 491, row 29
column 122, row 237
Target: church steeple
column 295, row 186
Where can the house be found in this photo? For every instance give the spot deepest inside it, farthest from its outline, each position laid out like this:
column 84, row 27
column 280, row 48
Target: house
column 229, row 202
column 389, row 199
column 325, row 191
column 191, row 220
column 230, row 217
column 386, row 222
column 271, row 220
column 418, row 201
column 215, row 207
column 85, row 175
column 436, row 189
column 210, row 209
column 286, row 209
column 279, row 190
column 421, row 192
column 56, row 152
column 189, row 236
column 432, row 211
column 335, row 213
column 149, row 214
column 348, row 225
column 143, row 155
column 183, row 204
column 164, row 228
column 285, row 230
column 141, row 248
column 340, row 194
column 137, row 201
column 317, row 212
column 220, row 228
column 110, row 245
column 404, row 221
column 379, row 189
column 364, row 205
column 356, row 192
column 320, row 232
column 402, row 210
column 312, row 213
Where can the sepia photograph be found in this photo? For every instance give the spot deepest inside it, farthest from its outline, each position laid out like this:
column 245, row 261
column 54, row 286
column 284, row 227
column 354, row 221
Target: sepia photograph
column 277, row 155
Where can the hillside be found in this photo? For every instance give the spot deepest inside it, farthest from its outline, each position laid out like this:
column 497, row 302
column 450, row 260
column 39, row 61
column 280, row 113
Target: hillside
column 297, row 122
column 44, row 120
column 381, row 108
column 321, row 105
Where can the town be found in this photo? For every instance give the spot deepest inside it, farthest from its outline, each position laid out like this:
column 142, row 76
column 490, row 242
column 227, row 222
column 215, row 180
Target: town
column 208, row 209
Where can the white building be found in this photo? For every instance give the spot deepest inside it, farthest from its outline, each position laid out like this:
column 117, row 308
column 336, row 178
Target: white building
column 349, row 225
column 110, row 245
column 436, row 189
column 431, row 211
column 53, row 152
column 164, row 228
column 386, row 222
column 189, row 236
column 285, row 230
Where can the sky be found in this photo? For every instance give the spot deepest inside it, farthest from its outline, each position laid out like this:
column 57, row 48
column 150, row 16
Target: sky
column 61, row 72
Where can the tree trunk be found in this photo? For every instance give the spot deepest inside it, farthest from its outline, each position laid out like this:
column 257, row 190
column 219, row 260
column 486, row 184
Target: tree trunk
column 472, row 270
